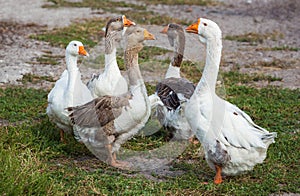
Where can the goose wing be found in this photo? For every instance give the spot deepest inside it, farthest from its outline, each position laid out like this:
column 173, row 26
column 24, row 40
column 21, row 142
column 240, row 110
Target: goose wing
column 99, row 111
column 240, row 131
column 172, row 91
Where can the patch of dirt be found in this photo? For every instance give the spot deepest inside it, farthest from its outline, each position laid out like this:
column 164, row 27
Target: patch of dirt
column 19, row 53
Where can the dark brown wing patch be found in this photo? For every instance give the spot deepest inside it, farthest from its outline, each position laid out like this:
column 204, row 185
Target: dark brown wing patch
column 169, row 88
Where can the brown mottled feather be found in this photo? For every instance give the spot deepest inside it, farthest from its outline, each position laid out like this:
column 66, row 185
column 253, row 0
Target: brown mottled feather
column 99, row 111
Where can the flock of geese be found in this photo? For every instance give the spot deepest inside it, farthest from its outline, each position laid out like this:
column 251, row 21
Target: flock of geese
column 110, row 110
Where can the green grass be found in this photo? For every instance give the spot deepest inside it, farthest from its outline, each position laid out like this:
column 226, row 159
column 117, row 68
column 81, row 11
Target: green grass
column 34, row 79
column 33, row 161
column 88, row 31
column 280, row 48
column 134, row 12
column 94, row 4
column 254, row 38
column 182, row 2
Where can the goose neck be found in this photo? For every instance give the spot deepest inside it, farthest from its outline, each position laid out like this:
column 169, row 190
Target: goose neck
column 110, row 42
column 178, row 50
column 111, row 65
column 73, row 71
column 211, row 69
column 131, row 62
column 71, row 62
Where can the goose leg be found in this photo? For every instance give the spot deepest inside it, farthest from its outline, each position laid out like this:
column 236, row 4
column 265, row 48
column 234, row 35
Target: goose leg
column 62, row 136
column 112, row 160
column 218, row 177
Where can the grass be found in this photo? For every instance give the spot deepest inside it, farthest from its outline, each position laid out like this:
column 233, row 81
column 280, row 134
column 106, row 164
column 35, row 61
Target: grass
column 34, row 79
column 254, row 38
column 136, row 13
column 88, row 32
column 94, row 4
column 182, row 2
column 280, row 48
column 33, row 161
column 275, row 63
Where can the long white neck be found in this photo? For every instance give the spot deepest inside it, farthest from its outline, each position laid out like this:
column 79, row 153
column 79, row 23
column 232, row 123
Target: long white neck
column 111, row 65
column 173, row 71
column 174, row 67
column 73, row 71
column 211, row 69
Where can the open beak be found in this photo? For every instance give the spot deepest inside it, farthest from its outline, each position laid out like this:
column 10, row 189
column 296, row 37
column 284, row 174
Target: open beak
column 148, row 36
column 127, row 22
column 193, row 28
column 82, row 51
column 165, row 30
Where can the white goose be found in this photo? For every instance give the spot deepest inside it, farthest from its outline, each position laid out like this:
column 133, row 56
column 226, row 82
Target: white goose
column 68, row 91
column 111, row 82
column 105, row 123
column 232, row 142
column 174, row 90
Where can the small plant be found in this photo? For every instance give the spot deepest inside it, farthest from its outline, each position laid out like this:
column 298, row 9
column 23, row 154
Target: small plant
column 182, row 2
column 279, row 48
column 88, row 32
column 254, row 38
column 94, row 4
column 31, row 78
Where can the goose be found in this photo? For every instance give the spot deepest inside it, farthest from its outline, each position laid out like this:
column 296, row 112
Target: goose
column 111, row 82
column 69, row 90
column 172, row 91
column 107, row 122
column 232, row 142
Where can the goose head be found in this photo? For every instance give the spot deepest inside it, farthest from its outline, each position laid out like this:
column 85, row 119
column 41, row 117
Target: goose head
column 206, row 29
column 76, row 48
column 175, row 35
column 135, row 36
column 117, row 24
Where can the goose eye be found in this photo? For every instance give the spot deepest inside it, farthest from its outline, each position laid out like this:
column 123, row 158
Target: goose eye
column 75, row 44
column 204, row 24
column 118, row 19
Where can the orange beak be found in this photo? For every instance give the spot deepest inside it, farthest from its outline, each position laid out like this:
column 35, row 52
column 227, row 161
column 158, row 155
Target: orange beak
column 82, row 51
column 193, row 28
column 165, row 30
column 127, row 22
column 148, row 36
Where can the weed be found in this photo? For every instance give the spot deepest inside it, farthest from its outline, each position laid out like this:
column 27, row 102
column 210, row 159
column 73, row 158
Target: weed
column 31, row 78
column 279, row 48
column 88, row 32
column 181, row 2
column 94, row 4
column 254, row 38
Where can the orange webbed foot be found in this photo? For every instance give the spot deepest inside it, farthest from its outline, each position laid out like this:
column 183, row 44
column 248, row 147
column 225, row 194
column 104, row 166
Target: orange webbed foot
column 218, row 177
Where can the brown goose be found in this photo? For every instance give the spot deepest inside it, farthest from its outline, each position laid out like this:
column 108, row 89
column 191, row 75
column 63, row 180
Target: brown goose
column 105, row 123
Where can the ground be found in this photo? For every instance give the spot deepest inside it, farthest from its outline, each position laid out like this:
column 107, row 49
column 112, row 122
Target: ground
column 19, row 53
column 276, row 52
